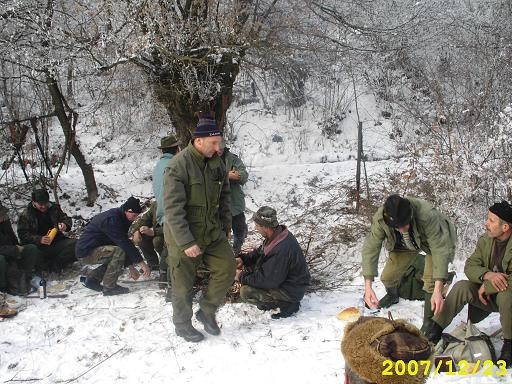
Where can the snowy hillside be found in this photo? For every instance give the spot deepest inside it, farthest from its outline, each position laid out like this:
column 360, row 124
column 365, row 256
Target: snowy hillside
column 88, row 338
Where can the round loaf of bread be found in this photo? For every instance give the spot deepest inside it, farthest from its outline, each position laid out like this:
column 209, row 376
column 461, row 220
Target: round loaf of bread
column 349, row 314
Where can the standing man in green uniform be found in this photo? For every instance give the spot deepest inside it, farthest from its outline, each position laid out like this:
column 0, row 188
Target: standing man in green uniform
column 197, row 223
column 489, row 288
column 415, row 234
column 237, row 175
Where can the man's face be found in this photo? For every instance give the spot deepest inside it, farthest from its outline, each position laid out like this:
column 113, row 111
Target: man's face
column 404, row 229
column 208, row 146
column 131, row 216
column 263, row 231
column 41, row 207
column 494, row 227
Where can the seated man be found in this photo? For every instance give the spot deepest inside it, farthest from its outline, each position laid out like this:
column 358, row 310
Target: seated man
column 16, row 262
column 276, row 274
column 148, row 234
column 372, row 346
column 489, row 288
column 105, row 241
column 33, row 225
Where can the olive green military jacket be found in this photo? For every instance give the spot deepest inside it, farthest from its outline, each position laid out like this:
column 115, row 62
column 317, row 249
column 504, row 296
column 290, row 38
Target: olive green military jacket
column 233, row 162
column 196, row 199
column 148, row 219
column 480, row 262
column 433, row 232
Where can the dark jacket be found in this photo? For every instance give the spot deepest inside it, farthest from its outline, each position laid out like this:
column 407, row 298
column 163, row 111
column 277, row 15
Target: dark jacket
column 33, row 224
column 108, row 228
column 278, row 265
column 8, row 241
column 233, row 162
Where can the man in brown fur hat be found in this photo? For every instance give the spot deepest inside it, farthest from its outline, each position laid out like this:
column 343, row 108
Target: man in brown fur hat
column 373, row 348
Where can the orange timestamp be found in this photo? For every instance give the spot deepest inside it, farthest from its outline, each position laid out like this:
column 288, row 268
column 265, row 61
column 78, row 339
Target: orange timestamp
column 443, row 364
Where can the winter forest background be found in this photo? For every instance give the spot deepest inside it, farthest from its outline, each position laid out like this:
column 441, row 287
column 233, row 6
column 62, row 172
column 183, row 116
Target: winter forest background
column 86, row 85
column 332, row 105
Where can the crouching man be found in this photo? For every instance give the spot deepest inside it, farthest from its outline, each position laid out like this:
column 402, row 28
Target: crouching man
column 105, row 241
column 489, row 289
column 276, row 274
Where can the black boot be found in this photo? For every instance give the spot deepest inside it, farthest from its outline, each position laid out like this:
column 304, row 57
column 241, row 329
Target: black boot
column 506, row 352
column 92, row 283
column 286, row 310
column 115, row 290
column 188, row 332
column 209, row 322
column 268, row 306
column 434, row 332
column 390, row 298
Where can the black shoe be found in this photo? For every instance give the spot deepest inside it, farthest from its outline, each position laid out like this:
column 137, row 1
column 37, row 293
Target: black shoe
column 162, row 277
column 209, row 322
column 434, row 332
column 188, row 332
column 115, row 290
column 93, row 284
column 506, row 352
column 287, row 309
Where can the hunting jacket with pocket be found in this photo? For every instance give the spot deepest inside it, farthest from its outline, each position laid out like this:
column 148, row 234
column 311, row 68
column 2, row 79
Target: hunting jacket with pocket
column 480, row 262
column 433, row 232
column 30, row 230
column 196, row 199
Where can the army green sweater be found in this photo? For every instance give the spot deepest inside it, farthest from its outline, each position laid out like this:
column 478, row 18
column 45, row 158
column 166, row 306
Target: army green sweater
column 480, row 262
column 196, row 199
column 433, row 232
column 148, row 219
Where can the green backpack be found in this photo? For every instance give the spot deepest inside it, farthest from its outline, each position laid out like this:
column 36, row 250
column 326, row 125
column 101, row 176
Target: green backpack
column 466, row 342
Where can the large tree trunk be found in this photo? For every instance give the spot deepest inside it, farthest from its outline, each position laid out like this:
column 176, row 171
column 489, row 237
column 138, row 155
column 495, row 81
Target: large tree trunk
column 69, row 133
column 183, row 107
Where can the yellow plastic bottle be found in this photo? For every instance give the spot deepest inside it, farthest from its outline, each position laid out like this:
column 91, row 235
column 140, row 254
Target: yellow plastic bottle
column 52, row 233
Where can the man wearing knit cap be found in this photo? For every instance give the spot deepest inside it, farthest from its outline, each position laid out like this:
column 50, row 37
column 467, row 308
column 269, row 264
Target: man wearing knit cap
column 421, row 243
column 372, row 346
column 489, row 288
column 276, row 274
column 197, row 223
column 105, row 241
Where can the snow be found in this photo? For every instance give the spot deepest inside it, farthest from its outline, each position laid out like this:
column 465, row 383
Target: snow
column 89, row 338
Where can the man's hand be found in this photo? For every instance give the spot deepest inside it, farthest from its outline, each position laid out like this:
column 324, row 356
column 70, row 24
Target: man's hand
column 370, row 298
column 237, row 274
column 20, row 248
column 498, row 280
column 436, row 302
column 193, row 251
column 62, row 227
column 137, row 238
column 482, row 296
column 239, row 263
column 46, row 240
column 146, row 271
column 234, row 175
column 133, row 273
column 145, row 230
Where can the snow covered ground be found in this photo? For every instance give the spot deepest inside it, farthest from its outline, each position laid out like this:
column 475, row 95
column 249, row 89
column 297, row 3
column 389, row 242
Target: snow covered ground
column 88, row 338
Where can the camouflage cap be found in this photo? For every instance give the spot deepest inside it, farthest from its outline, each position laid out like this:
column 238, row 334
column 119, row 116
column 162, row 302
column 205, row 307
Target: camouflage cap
column 370, row 341
column 266, row 217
